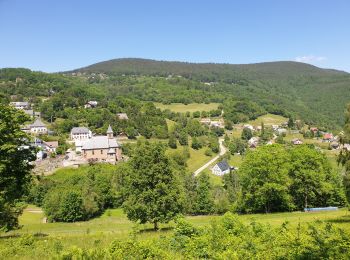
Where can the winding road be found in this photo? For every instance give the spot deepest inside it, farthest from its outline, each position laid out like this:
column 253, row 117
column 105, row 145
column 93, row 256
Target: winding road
column 222, row 152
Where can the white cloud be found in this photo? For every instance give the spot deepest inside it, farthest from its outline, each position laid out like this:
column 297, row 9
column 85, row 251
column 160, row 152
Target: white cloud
column 310, row 59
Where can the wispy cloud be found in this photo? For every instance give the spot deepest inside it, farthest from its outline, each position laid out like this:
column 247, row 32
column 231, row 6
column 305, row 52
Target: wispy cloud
column 310, row 59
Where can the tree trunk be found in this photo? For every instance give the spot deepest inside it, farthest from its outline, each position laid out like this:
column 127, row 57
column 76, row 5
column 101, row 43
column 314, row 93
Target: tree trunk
column 155, row 223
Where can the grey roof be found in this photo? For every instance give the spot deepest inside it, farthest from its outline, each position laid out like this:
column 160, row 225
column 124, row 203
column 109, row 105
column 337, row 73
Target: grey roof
column 100, row 142
column 109, row 130
column 20, row 103
column 223, row 165
column 80, row 130
column 38, row 123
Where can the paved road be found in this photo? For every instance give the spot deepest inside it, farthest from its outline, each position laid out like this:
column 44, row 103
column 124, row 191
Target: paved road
column 222, row 152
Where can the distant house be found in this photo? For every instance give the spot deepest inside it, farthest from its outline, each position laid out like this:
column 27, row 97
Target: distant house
column 20, row 105
column 346, row 147
column 32, row 113
column 314, row 129
column 38, row 127
column 221, row 168
column 281, row 131
column 297, row 141
column 122, row 136
column 122, row 116
column 91, row 104
column 51, row 146
column 219, row 124
column 205, row 121
column 327, row 137
column 334, row 145
column 249, row 127
column 102, row 148
column 80, row 133
column 253, row 142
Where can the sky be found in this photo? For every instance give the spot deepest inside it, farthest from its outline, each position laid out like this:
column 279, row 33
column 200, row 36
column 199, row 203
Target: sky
column 51, row 36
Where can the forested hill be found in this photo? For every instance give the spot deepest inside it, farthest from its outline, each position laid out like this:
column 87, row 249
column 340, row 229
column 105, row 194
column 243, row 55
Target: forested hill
column 311, row 93
column 317, row 96
column 208, row 72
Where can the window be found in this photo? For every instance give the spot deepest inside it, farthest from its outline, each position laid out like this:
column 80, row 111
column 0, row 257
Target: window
column 101, row 151
column 93, row 152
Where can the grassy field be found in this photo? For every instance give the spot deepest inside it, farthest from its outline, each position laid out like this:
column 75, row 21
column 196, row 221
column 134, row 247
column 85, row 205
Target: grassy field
column 268, row 119
column 114, row 222
column 182, row 108
column 197, row 157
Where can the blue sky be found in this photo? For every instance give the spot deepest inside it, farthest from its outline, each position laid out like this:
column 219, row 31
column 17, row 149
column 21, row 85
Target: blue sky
column 61, row 35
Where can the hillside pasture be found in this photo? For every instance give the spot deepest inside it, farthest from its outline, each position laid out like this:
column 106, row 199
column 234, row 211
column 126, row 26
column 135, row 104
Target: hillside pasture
column 268, row 120
column 193, row 107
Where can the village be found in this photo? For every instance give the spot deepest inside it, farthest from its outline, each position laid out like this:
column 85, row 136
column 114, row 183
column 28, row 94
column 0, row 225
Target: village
column 86, row 147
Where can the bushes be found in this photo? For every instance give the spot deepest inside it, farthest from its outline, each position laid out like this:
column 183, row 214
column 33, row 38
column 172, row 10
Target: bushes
column 275, row 178
column 78, row 194
column 227, row 237
column 64, row 205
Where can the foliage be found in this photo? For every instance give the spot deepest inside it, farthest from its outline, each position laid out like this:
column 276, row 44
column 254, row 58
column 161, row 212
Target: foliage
column 71, row 195
column 246, row 134
column 204, row 203
column 275, row 178
column 15, row 158
column 152, row 190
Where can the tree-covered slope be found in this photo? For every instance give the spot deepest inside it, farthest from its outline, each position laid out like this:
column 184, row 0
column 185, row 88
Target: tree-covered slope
column 210, row 71
column 316, row 95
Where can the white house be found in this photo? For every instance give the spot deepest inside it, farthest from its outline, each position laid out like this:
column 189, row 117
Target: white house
column 91, row 104
column 297, row 141
column 249, row 127
column 205, row 121
column 51, row 146
column 122, row 116
column 80, row 135
column 221, row 168
column 20, row 105
column 38, row 127
column 253, row 142
column 281, row 131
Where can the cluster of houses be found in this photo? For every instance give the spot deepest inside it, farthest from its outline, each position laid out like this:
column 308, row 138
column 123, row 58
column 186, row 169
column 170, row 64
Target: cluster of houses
column 26, row 107
column 44, row 148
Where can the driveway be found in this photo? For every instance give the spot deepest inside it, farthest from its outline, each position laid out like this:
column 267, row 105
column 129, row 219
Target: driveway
column 222, row 152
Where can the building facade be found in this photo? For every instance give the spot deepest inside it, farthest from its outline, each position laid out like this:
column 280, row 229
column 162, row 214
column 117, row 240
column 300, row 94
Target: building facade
column 102, row 148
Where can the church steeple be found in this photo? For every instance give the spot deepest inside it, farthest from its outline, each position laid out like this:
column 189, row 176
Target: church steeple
column 109, row 132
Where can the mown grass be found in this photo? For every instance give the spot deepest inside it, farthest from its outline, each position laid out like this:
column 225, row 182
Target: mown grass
column 182, row 108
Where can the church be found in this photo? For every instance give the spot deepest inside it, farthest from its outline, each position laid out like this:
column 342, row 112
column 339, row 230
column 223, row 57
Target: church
column 102, row 148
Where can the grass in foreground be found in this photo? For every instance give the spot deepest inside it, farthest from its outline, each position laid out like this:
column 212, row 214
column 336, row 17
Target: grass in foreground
column 115, row 222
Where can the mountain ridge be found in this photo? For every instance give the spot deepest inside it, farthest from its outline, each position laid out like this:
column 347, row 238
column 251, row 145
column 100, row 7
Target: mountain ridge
column 140, row 66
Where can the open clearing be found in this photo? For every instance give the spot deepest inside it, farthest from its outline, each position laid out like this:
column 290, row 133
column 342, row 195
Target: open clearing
column 269, row 119
column 182, row 108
